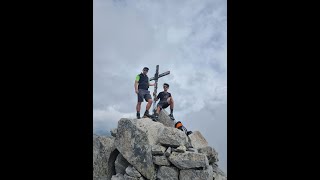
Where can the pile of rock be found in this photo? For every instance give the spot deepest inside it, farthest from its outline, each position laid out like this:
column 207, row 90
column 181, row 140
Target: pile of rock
column 144, row 149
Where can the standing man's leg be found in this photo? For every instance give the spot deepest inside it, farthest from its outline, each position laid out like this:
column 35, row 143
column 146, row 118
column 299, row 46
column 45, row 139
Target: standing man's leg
column 138, row 107
column 149, row 104
column 148, row 98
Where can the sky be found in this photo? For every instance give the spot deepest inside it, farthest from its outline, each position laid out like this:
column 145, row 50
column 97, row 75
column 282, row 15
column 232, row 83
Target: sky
column 187, row 38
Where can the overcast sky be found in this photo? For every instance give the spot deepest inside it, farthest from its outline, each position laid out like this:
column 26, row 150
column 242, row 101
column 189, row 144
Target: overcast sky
column 187, row 37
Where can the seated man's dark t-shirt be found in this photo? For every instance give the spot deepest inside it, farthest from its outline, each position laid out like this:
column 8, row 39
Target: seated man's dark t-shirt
column 163, row 96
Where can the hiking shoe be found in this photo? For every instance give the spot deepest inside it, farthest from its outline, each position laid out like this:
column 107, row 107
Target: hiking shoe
column 156, row 116
column 189, row 132
column 171, row 116
column 146, row 113
column 138, row 115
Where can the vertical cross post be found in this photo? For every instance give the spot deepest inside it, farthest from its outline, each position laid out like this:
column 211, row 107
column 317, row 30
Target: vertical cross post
column 156, row 77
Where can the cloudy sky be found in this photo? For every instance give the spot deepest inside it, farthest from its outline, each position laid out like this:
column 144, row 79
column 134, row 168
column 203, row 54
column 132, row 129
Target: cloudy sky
column 187, row 37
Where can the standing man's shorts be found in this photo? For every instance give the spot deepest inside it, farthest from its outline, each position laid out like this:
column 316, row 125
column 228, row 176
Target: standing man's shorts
column 143, row 94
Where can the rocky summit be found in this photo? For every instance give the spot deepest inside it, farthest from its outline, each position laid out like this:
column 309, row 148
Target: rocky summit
column 141, row 149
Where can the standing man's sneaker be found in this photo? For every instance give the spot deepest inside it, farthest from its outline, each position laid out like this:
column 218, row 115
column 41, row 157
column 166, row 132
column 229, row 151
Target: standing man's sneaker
column 146, row 114
column 138, row 115
column 171, row 116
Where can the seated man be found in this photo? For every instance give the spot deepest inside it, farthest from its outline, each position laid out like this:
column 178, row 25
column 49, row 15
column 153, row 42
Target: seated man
column 165, row 100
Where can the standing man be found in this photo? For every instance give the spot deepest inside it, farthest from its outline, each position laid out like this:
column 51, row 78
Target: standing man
column 141, row 86
column 165, row 101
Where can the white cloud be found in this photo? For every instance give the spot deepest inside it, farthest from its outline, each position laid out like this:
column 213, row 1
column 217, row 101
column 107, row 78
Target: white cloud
column 175, row 35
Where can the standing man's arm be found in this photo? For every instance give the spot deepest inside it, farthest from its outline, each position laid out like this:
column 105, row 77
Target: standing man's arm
column 150, row 83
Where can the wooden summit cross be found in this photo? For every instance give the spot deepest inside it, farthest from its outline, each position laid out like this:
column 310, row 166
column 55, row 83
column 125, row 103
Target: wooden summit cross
column 156, row 77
